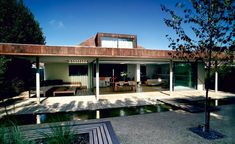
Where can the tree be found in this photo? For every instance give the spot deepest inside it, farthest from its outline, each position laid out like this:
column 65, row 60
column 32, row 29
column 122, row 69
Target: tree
column 3, row 67
column 17, row 25
column 204, row 33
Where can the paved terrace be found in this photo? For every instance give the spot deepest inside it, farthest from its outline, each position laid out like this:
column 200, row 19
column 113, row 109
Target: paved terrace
column 78, row 103
column 165, row 127
column 172, row 127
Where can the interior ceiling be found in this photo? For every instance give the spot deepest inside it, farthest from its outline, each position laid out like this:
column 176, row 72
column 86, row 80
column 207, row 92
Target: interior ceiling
column 133, row 62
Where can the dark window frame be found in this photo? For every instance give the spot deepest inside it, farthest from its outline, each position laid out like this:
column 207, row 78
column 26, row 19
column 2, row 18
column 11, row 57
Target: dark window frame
column 78, row 70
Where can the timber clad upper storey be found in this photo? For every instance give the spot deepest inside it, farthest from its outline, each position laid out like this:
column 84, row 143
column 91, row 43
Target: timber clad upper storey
column 110, row 40
column 116, row 40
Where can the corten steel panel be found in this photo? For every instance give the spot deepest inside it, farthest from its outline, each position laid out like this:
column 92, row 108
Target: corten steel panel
column 42, row 50
column 89, row 42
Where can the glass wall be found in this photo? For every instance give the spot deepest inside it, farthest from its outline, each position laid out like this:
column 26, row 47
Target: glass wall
column 155, row 76
column 125, row 43
column 185, row 75
column 109, row 42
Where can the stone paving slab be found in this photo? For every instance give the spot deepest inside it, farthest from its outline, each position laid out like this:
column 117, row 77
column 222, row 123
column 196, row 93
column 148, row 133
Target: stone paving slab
column 184, row 106
column 172, row 127
column 99, row 132
column 79, row 103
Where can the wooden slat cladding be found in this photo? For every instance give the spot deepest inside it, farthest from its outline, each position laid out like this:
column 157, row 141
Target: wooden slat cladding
column 42, row 50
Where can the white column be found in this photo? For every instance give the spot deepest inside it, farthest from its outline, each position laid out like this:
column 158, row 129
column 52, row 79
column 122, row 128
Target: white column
column 216, row 81
column 97, row 80
column 92, row 76
column 89, row 76
column 171, row 77
column 216, row 102
column 37, row 81
column 38, row 119
column 216, row 77
column 200, row 76
column 97, row 114
column 138, row 73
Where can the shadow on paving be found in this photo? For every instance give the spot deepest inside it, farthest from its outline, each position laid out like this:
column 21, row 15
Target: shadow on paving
column 189, row 104
column 81, row 106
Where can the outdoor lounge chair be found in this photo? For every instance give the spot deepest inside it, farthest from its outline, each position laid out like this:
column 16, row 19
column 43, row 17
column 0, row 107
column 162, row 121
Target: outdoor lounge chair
column 154, row 82
column 65, row 90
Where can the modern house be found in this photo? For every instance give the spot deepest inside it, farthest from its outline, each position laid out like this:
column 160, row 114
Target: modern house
column 108, row 63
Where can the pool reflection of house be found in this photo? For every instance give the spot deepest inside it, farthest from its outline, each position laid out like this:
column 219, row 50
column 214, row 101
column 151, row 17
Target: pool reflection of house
column 114, row 63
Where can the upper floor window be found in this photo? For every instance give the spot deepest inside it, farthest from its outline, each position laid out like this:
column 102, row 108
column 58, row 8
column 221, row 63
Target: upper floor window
column 125, row 43
column 109, row 42
column 116, row 42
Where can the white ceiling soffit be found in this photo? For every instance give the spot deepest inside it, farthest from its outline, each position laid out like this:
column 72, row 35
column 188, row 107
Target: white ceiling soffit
column 133, row 62
column 65, row 59
column 60, row 59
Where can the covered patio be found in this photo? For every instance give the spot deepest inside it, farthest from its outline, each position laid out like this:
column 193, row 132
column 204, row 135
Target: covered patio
column 85, row 68
column 105, row 71
column 108, row 75
column 78, row 76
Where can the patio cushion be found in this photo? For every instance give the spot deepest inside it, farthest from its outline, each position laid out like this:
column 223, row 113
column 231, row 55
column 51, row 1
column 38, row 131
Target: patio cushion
column 153, row 82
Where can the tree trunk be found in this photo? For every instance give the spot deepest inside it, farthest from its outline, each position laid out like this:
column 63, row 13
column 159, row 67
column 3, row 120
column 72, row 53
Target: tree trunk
column 207, row 113
column 207, row 107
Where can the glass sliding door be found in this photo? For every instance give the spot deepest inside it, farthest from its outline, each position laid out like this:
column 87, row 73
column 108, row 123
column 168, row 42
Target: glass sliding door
column 155, row 77
column 185, row 75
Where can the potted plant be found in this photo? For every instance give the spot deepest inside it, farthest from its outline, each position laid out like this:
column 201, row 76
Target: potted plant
column 124, row 75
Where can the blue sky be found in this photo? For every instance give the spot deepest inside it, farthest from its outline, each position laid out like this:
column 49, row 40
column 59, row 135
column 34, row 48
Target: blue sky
column 70, row 22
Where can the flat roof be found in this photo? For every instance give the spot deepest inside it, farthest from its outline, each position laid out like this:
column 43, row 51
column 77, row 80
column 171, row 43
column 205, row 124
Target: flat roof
column 81, row 51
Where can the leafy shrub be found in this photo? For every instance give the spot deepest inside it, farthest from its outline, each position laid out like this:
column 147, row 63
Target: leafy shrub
column 2, row 134
column 12, row 135
column 59, row 135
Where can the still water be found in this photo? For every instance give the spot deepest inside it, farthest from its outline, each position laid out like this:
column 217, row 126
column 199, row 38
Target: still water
column 85, row 115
